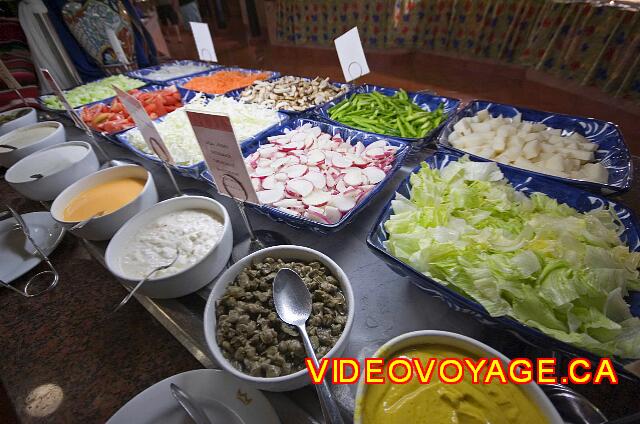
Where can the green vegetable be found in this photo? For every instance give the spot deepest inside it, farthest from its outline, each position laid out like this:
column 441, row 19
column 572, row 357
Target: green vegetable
column 93, row 91
column 551, row 267
column 393, row 115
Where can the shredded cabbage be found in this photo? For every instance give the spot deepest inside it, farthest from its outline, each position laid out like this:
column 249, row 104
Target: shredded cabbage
column 247, row 120
column 551, row 267
column 175, row 70
column 93, row 91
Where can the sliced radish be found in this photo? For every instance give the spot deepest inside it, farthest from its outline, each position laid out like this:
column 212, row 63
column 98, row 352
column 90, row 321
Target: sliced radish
column 317, row 198
column 295, row 171
column 289, row 203
column 374, row 175
column 353, row 177
column 262, row 172
column 332, row 213
column 341, row 186
column 317, row 216
column 257, row 184
column 319, row 180
column 264, row 162
column 361, row 162
column 342, row 203
column 276, row 164
column 300, row 187
column 340, row 161
column 331, row 182
column 299, row 138
column 281, row 176
column 375, row 153
column 358, row 148
column 315, row 157
column 380, row 144
column 291, row 146
column 270, row 196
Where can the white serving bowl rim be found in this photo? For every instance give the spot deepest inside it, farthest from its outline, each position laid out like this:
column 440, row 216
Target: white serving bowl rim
column 57, row 125
column 148, row 181
column 210, row 329
column 545, row 406
column 116, row 271
column 34, row 156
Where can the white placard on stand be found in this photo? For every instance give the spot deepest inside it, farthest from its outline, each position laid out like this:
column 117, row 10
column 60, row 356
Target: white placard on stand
column 204, row 42
column 223, row 156
column 351, row 55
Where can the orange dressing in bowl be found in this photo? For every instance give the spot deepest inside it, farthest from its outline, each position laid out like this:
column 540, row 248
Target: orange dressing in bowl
column 107, row 197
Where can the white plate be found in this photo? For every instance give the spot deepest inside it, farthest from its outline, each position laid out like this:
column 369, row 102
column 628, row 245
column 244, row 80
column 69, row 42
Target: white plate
column 17, row 255
column 208, row 388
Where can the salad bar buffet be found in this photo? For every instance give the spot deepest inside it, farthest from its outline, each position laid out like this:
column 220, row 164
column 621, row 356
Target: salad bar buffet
column 404, row 213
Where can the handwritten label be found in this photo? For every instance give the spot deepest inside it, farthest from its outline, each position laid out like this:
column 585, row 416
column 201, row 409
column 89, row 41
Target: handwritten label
column 144, row 123
column 63, row 99
column 223, row 156
column 7, row 77
column 351, row 55
column 204, row 42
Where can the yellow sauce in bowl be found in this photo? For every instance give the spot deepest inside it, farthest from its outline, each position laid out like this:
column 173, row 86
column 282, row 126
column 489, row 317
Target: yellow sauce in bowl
column 107, row 197
column 436, row 402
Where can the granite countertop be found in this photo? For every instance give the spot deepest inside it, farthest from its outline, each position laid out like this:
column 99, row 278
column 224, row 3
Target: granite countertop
column 65, row 344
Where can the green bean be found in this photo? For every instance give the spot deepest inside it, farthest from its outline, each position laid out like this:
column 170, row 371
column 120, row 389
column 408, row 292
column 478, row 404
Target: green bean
column 395, row 115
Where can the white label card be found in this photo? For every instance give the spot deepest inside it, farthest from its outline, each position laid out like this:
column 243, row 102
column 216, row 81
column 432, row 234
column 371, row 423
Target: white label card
column 9, row 80
column 146, row 126
column 60, row 94
column 223, row 156
column 351, row 55
column 204, row 42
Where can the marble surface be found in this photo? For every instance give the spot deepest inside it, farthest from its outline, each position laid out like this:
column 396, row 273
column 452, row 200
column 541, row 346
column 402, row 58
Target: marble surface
column 65, row 356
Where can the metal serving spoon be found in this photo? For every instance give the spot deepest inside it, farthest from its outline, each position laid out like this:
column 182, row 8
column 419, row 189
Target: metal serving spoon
column 293, row 305
column 86, row 221
column 144, row 280
column 189, row 405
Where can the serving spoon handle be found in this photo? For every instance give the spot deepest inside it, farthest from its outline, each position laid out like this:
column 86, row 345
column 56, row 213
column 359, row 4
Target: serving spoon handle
column 328, row 403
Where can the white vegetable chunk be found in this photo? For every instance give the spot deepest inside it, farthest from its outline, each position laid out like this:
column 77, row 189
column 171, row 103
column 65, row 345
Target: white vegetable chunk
column 529, row 145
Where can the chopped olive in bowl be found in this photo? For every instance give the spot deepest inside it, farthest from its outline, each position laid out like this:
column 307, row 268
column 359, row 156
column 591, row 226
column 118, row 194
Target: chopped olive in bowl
column 244, row 332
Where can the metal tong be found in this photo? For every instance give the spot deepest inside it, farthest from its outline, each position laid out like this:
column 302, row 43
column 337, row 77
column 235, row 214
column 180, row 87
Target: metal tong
column 21, row 225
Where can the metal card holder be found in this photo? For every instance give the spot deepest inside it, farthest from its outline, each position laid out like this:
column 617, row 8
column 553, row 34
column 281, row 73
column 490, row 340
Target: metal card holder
column 22, row 226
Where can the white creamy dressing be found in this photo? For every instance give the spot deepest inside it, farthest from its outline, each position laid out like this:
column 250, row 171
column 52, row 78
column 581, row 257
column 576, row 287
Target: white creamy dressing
column 23, row 138
column 193, row 231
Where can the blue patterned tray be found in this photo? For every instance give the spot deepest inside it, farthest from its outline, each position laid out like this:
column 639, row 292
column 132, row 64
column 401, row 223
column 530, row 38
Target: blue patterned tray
column 612, row 152
column 195, row 171
column 347, row 134
column 426, row 101
column 180, row 82
column 525, row 182
column 297, row 113
column 142, row 74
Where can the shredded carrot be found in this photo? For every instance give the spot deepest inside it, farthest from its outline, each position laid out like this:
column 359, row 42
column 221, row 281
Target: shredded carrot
column 223, row 81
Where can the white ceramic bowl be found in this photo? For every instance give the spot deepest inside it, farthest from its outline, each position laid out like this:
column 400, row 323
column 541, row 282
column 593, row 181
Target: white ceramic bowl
column 31, row 117
column 30, row 139
column 104, row 227
column 289, row 252
column 61, row 165
column 188, row 280
column 480, row 350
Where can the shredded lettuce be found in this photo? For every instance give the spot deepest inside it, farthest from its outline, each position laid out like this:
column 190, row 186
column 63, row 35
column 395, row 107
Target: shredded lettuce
column 549, row 266
column 93, row 91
